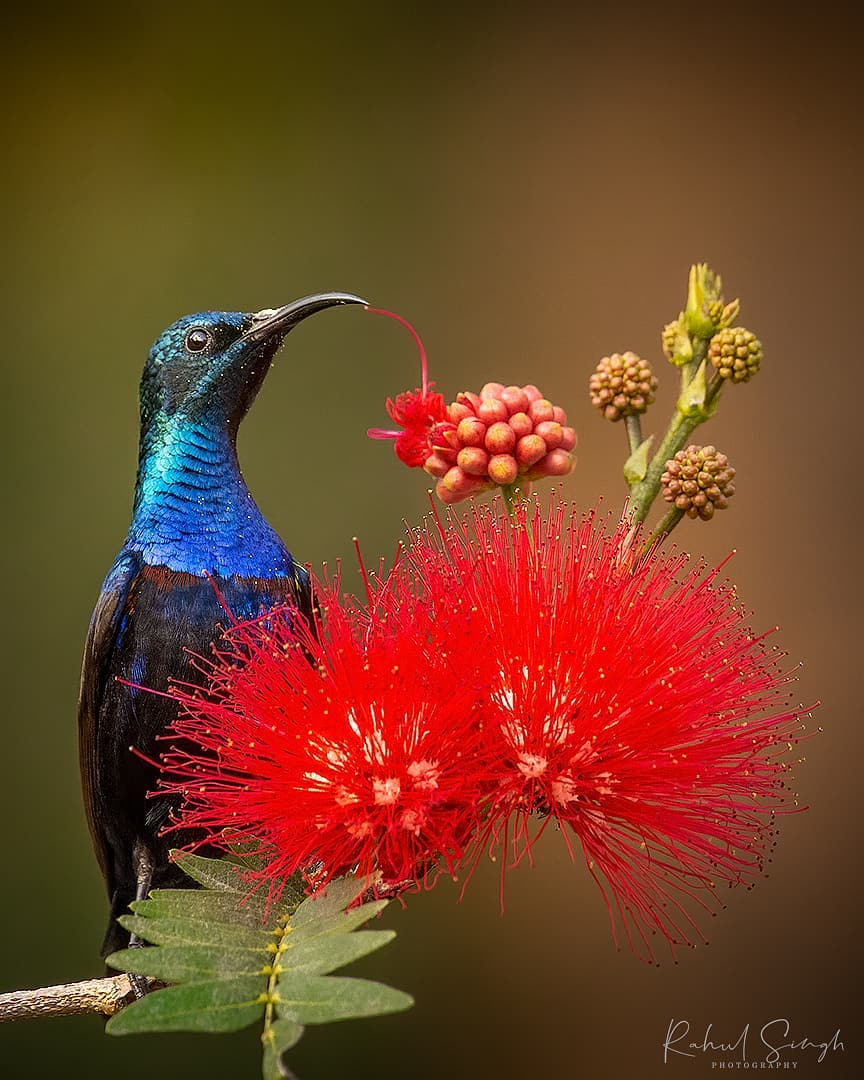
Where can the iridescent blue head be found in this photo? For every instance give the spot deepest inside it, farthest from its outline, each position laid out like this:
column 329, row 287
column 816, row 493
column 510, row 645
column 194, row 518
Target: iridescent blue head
column 193, row 511
column 210, row 366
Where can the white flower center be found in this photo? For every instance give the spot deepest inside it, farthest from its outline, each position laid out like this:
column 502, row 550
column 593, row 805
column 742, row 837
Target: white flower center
column 531, row 765
column 386, row 791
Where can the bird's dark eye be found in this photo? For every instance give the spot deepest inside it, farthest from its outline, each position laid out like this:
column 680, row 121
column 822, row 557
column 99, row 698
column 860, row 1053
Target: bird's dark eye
column 197, row 340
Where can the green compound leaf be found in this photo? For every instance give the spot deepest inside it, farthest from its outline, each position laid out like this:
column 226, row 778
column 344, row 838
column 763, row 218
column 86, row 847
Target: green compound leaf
column 229, row 961
column 214, row 873
column 185, row 963
column 339, row 895
column 319, row 999
column 216, row 1005
column 210, row 906
column 167, row 931
column 321, row 955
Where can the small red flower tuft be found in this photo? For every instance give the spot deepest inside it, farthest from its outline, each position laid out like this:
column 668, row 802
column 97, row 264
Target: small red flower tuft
column 420, row 414
column 627, row 702
column 329, row 748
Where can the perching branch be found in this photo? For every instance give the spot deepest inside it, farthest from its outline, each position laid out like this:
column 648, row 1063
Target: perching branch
column 106, row 996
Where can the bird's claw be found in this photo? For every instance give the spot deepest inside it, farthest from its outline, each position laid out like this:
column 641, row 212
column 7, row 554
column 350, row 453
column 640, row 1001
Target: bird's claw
column 141, row 986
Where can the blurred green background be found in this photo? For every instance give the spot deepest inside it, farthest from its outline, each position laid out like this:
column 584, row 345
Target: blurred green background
column 529, row 189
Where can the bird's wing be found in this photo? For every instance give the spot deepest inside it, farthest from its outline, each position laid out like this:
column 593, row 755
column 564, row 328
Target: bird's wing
column 105, row 625
column 303, row 596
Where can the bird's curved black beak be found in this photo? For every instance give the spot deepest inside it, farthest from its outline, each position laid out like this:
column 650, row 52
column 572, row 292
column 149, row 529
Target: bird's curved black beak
column 276, row 322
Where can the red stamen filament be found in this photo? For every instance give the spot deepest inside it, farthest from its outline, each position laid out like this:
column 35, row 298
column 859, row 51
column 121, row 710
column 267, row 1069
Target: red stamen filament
column 424, row 372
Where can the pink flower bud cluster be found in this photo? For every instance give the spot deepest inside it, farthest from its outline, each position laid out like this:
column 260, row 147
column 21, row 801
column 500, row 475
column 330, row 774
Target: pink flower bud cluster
column 503, row 435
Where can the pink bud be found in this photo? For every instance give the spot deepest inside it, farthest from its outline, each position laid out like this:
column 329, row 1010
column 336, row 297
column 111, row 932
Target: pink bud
column 458, row 411
column 446, row 495
column 471, row 431
column 514, row 398
column 522, row 424
column 568, row 438
column 541, row 409
column 556, row 463
column 500, row 439
column 492, row 409
column 435, row 465
column 473, row 460
column 492, row 390
column 458, row 481
column 551, row 432
column 529, row 450
column 531, row 392
column 468, row 397
column 560, row 415
column 503, row 468
column 448, row 437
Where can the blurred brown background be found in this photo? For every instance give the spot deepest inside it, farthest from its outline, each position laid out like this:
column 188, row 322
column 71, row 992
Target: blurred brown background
column 529, row 189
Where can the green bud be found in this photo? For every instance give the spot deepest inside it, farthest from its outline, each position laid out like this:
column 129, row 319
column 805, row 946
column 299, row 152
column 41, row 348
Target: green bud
column 676, row 342
column 729, row 314
column 693, row 399
column 736, row 353
column 704, row 292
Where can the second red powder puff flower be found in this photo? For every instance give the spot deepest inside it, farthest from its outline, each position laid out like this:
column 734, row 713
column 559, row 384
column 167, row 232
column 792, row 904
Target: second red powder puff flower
column 627, row 701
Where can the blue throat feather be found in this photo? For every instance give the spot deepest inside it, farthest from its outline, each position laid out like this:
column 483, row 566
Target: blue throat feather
column 193, row 511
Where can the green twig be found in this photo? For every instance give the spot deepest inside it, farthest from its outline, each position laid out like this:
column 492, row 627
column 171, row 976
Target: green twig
column 688, row 416
column 642, row 495
column 689, row 370
column 668, row 523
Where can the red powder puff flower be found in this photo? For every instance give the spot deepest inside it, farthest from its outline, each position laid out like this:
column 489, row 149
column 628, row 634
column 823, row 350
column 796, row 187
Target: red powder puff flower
column 328, row 748
column 626, row 701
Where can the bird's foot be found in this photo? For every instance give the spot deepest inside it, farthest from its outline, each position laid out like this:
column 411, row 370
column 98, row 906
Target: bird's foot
column 141, row 986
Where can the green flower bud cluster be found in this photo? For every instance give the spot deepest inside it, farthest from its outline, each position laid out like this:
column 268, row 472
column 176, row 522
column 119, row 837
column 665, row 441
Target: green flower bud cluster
column 622, row 385
column 736, row 353
column 676, row 342
column 698, row 480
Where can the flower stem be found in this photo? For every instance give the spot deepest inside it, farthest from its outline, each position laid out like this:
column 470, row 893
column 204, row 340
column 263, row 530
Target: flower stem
column 688, row 372
column 643, row 494
column 665, row 527
column 509, row 493
column 633, row 425
column 681, row 427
